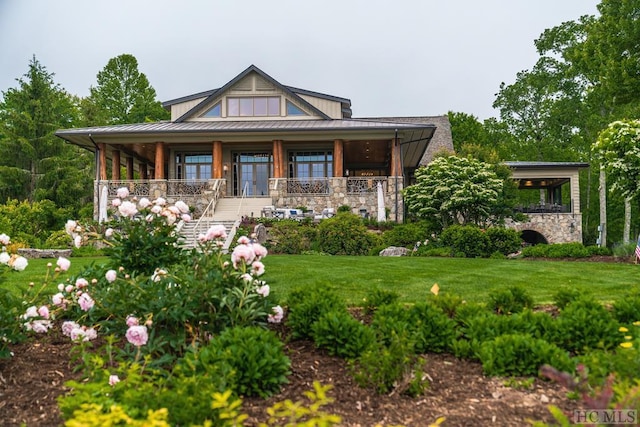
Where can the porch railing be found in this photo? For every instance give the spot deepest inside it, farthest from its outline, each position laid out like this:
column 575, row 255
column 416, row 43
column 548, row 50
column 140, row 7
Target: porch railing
column 136, row 187
column 308, row 186
column 366, row 185
column 174, row 187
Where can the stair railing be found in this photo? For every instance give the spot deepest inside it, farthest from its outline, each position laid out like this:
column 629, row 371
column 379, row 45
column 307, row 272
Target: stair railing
column 211, row 206
column 242, row 197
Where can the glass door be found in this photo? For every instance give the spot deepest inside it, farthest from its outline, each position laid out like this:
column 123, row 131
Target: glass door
column 251, row 173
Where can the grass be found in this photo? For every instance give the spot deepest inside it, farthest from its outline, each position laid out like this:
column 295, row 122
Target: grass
column 412, row 277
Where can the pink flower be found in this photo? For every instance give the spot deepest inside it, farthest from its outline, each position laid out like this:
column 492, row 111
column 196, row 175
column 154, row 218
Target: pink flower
column 182, row 206
column 127, row 209
column 81, row 283
column 77, row 241
column 4, row 258
column 137, row 335
column 113, row 380
column 259, row 250
column 242, row 253
column 43, row 311
column 257, row 268
column 158, row 274
column 216, row 231
column 70, row 227
column 58, row 299
column 263, row 290
column 69, row 326
column 83, row 333
column 31, row 312
column 63, row 263
column 185, row 217
column 116, row 203
column 69, row 288
column 277, row 315
column 144, row 203
column 38, row 326
column 170, row 216
column 111, row 276
column 85, row 301
column 122, row 192
column 156, row 209
column 160, row 201
column 132, row 321
column 4, row 239
column 243, row 240
column 108, row 233
column 19, row 263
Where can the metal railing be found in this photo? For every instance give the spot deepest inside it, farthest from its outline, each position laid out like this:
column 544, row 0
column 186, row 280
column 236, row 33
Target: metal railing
column 308, row 186
column 211, row 206
column 366, row 185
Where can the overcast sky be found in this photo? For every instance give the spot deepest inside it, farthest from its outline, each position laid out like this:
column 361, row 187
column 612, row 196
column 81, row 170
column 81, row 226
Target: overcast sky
column 390, row 58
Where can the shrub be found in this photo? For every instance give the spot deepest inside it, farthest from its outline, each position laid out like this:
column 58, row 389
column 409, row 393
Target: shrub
column 511, row 300
column 468, row 241
column 627, row 310
column 433, row 331
column 260, row 367
column 344, row 234
column 342, row 335
column 557, row 250
column 521, row 355
column 564, row 296
column 389, row 367
column 291, row 237
column 377, row 297
column 585, row 325
column 448, row 303
column 503, row 240
column 406, row 234
column 307, row 305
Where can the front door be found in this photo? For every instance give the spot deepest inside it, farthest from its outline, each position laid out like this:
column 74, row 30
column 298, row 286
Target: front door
column 251, row 173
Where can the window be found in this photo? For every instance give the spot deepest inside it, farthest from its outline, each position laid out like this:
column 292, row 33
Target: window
column 193, row 166
column 214, row 111
column 259, row 106
column 292, row 110
column 310, row 164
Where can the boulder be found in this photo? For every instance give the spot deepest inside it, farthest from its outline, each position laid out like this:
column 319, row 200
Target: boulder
column 30, row 253
column 394, row 251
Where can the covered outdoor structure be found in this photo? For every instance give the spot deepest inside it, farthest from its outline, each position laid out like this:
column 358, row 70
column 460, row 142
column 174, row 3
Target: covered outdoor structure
column 254, row 138
column 551, row 201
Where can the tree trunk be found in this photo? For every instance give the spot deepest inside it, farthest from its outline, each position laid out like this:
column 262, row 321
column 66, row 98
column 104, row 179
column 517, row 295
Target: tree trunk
column 627, row 221
column 603, row 207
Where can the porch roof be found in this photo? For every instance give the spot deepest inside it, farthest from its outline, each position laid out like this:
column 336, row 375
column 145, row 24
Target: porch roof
column 414, row 136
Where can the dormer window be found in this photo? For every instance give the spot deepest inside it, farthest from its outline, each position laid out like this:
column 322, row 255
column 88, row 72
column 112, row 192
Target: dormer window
column 258, row 106
column 292, row 110
column 214, row 111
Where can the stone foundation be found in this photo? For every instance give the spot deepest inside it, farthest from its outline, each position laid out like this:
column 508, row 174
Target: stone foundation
column 44, row 253
column 555, row 227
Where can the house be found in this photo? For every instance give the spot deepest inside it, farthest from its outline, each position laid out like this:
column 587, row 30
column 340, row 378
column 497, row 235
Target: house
column 254, row 143
column 255, row 146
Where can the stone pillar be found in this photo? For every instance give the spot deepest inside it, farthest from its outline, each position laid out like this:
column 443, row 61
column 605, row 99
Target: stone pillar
column 129, row 167
column 115, row 165
column 159, row 166
column 338, row 158
column 103, row 161
column 216, row 164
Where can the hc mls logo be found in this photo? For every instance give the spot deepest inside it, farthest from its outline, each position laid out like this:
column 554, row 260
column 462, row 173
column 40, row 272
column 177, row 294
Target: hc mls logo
column 605, row 416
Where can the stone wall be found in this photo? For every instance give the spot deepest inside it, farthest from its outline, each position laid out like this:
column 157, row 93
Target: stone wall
column 555, row 227
column 338, row 196
column 44, row 253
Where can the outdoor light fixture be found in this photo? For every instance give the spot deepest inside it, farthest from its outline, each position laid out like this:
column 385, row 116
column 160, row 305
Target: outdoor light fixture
column 225, row 168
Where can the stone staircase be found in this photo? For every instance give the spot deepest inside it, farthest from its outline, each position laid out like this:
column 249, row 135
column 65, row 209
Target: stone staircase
column 228, row 212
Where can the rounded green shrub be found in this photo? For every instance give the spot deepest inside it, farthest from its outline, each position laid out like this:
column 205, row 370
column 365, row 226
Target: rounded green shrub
column 467, row 240
column 256, row 357
column 344, row 234
column 627, row 310
column 433, row 331
column 307, row 305
column 342, row 335
column 377, row 297
column 407, row 234
column 514, row 299
column 521, row 355
column 586, row 325
column 291, row 237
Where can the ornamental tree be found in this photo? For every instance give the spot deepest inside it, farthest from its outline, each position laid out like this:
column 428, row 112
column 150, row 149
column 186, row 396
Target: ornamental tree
column 455, row 190
column 618, row 146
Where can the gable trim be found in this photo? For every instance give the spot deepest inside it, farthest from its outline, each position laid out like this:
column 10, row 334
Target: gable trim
column 231, row 83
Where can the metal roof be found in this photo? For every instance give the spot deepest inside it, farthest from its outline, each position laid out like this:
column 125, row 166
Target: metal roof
column 546, row 165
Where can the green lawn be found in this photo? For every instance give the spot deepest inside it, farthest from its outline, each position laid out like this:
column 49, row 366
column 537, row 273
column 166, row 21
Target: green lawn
column 412, row 277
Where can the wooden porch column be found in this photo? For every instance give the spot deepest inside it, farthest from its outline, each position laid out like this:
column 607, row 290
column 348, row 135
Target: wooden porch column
column 395, row 158
column 278, row 159
column 129, row 167
column 338, row 158
column 103, row 161
column 115, row 165
column 159, row 167
column 216, row 164
column 144, row 174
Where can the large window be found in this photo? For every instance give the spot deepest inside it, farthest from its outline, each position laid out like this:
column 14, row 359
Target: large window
column 310, row 164
column 193, row 166
column 253, row 106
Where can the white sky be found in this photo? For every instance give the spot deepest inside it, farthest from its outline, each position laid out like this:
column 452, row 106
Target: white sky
column 390, row 58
